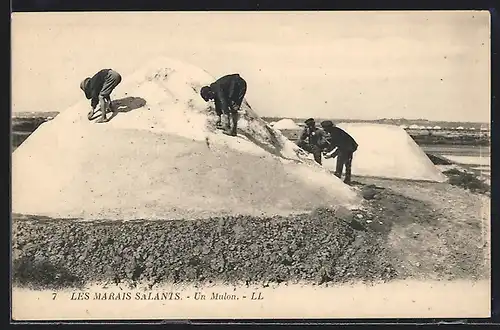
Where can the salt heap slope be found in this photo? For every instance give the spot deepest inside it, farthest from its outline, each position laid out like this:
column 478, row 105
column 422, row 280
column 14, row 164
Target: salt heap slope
column 161, row 157
column 387, row 151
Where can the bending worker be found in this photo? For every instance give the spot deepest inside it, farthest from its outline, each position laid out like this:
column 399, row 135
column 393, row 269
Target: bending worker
column 312, row 139
column 98, row 89
column 340, row 144
column 228, row 93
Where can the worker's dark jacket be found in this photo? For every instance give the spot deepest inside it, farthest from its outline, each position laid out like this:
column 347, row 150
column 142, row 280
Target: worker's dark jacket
column 103, row 83
column 315, row 136
column 338, row 138
column 228, row 90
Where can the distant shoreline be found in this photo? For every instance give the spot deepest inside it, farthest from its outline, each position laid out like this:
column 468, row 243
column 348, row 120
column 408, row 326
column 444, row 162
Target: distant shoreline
column 24, row 123
column 34, row 114
column 398, row 121
column 430, row 124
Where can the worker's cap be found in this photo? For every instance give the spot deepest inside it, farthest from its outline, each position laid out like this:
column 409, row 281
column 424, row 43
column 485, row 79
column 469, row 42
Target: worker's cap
column 84, row 83
column 310, row 121
column 327, row 123
column 205, row 93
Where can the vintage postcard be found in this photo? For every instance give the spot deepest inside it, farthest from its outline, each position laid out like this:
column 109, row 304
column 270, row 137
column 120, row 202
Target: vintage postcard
column 202, row 165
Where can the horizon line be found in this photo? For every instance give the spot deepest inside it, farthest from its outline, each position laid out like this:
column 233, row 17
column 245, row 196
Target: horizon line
column 50, row 113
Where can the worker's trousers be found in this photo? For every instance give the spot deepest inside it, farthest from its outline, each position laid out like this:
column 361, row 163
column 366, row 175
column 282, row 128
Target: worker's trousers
column 344, row 158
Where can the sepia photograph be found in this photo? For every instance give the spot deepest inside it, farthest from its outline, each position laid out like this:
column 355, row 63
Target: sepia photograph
column 241, row 165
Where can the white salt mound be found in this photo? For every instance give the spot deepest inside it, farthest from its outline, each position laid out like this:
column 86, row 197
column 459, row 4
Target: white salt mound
column 388, row 151
column 286, row 124
column 161, row 157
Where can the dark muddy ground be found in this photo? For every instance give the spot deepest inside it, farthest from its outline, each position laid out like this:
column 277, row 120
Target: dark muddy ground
column 402, row 234
column 316, row 248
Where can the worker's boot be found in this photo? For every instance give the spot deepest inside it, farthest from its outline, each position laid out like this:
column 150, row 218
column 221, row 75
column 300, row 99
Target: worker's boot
column 348, row 169
column 233, row 127
column 90, row 115
column 227, row 124
column 107, row 108
column 103, row 118
column 218, row 123
column 111, row 107
column 347, row 179
column 234, row 121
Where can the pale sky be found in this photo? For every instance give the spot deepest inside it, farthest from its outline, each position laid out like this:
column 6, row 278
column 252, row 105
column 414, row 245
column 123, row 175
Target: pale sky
column 358, row 65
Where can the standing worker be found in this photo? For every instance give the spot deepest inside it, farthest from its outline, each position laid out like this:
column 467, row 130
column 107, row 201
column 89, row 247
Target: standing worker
column 345, row 147
column 98, row 89
column 312, row 139
column 228, row 93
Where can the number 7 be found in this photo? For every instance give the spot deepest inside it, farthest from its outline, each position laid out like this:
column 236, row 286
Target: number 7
column 54, row 294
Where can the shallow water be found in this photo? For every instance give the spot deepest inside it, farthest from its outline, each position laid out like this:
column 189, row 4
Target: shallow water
column 477, row 159
column 469, row 160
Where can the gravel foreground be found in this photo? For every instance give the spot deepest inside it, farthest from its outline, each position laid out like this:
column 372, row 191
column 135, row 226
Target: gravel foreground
column 325, row 246
column 318, row 247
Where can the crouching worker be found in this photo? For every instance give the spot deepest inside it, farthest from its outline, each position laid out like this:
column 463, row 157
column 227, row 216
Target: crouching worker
column 98, row 89
column 344, row 146
column 312, row 139
column 228, row 93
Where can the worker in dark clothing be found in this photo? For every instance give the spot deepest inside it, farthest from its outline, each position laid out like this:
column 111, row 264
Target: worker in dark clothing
column 312, row 139
column 98, row 89
column 228, row 93
column 344, row 146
